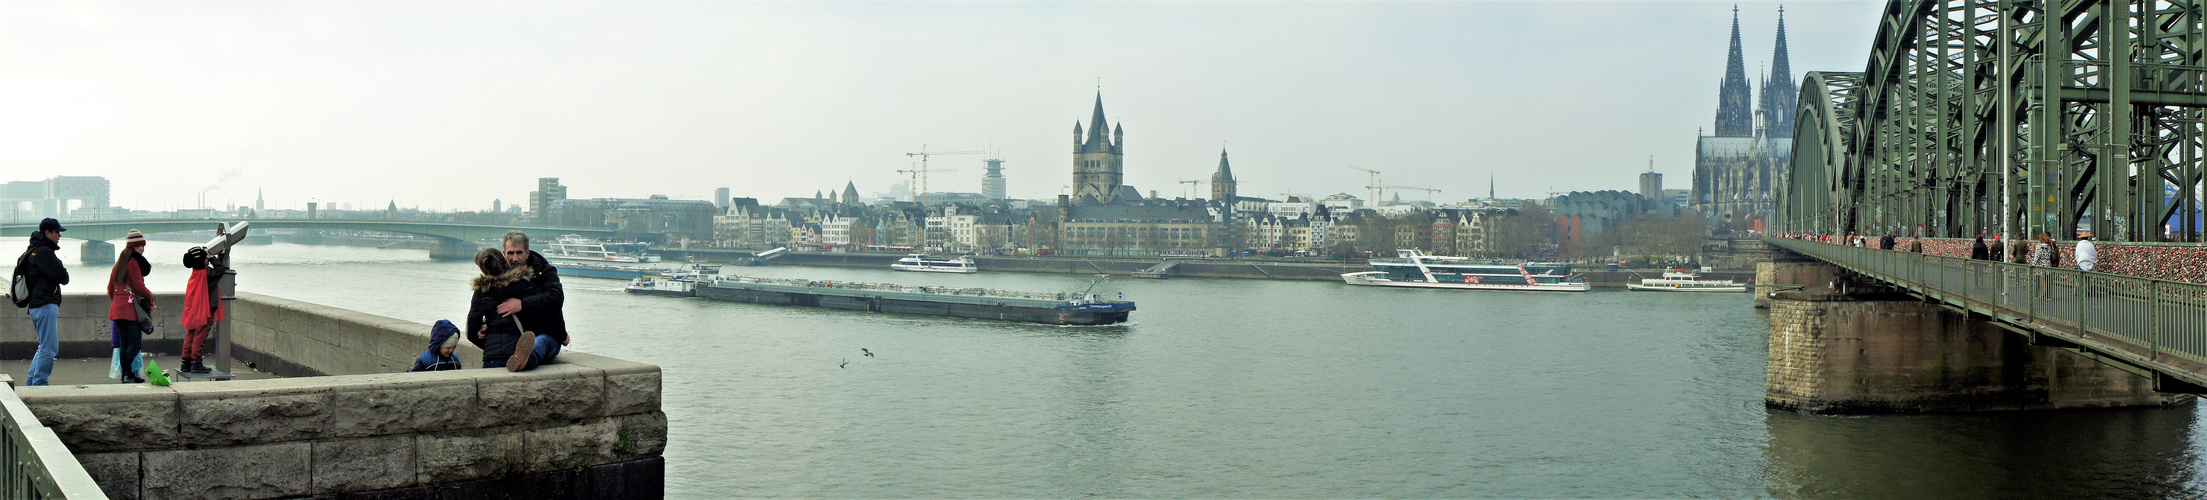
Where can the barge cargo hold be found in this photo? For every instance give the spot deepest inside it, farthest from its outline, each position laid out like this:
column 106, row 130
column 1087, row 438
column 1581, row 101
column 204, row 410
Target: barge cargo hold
column 977, row 303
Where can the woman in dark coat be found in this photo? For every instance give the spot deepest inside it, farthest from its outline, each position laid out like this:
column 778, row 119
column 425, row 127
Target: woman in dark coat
column 498, row 335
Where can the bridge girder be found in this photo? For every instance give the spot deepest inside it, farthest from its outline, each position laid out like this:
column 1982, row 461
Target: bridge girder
column 115, row 230
column 2105, row 122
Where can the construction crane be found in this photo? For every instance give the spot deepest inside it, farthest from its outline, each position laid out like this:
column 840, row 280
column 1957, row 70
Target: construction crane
column 1193, row 186
column 919, row 174
column 1374, row 186
column 1428, row 191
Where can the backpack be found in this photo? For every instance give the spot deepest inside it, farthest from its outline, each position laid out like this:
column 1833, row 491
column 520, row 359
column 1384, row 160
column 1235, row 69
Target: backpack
column 19, row 284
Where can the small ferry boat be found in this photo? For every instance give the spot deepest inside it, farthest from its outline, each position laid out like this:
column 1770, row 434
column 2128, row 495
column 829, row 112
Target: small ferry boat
column 1680, row 281
column 920, row 262
column 1414, row 269
column 1062, row 308
column 669, row 286
column 578, row 248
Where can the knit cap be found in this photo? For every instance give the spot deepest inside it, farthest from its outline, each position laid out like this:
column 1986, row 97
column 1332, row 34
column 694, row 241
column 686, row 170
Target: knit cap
column 136, row 239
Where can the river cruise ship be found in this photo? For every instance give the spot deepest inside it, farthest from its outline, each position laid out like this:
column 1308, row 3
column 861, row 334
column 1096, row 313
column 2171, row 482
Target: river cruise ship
column 581, row 249
column 1679, row 281
column 1414, row 269
column 920, row 262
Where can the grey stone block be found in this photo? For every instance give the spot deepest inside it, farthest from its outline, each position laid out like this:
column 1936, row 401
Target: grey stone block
column 467, row 455
column 630, row 387
column 547, row 394
column 255, row 411
column 117, row 473
column 365, row 464
column 398, row 403
column 258, row 471
column 649, row 430
column 571, row 447
column 113, row 417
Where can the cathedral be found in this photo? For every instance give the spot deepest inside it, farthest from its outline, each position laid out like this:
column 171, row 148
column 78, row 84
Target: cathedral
column 1735, row 169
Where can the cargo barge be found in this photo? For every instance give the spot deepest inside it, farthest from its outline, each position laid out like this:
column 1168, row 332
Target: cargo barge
column 1063, row 308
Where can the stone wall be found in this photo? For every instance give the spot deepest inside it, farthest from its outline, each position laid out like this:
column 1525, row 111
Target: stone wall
column 584, row 426
column 82, row 327
column 294, row 339
column 1833, row 354
column 1813, row 276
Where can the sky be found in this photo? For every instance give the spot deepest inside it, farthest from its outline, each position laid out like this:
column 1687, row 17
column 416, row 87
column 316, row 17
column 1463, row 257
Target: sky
column 450, row 105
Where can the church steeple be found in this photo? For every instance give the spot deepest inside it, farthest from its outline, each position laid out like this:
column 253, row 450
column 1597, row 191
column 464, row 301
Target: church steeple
column 1222, row 182
column 1097, row 142
column 1733, row 119
column 1780, row 92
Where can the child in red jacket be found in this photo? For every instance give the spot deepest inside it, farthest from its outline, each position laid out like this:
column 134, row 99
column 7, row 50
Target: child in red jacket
column 202, row 308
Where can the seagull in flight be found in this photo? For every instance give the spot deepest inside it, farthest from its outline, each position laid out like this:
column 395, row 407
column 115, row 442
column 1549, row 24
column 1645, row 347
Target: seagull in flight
column 868, row 353
column 846, row 363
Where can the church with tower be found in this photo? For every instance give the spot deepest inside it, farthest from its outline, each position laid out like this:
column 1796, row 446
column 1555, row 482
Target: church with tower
column 1736, row 167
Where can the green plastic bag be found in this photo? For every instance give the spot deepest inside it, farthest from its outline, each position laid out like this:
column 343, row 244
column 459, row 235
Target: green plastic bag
column 154, row 375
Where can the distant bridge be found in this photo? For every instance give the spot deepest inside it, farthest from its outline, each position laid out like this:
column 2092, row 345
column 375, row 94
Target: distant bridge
column 452, row 239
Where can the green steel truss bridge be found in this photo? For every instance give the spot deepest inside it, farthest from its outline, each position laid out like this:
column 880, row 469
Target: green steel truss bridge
column 453, row 239
column 2019, row 116
column 2085, row 112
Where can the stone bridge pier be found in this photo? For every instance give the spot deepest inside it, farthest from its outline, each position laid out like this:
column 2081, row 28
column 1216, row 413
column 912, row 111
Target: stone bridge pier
column 98, row 252
column 441, row 248
column 1844, row 346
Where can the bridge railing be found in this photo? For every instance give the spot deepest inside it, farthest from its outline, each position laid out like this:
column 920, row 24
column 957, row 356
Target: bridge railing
column 37, row 465
column 2145, row 319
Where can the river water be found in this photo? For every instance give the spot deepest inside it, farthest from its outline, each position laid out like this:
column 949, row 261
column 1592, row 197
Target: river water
column 1241, row 388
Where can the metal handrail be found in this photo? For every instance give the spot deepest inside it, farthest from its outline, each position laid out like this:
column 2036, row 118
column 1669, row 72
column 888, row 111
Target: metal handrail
column 37, row 465
column 2138, row 320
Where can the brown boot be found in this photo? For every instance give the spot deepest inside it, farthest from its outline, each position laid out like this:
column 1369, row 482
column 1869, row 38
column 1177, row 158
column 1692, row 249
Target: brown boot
column 521, row 352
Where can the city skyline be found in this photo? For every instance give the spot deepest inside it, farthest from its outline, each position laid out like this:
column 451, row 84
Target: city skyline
column 631, row 100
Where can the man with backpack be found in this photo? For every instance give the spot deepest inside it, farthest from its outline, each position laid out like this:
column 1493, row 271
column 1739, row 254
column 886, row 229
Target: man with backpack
column 42, row 275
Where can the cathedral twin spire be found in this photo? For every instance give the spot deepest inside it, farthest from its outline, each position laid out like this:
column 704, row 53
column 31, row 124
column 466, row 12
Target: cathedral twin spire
column 1775, row 110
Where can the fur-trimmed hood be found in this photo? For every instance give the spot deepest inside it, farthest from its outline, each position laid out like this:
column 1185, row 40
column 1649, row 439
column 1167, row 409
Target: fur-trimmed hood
column 511, row 276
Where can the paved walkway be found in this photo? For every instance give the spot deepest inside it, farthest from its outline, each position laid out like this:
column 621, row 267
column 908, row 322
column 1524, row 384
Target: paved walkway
column 85, row 371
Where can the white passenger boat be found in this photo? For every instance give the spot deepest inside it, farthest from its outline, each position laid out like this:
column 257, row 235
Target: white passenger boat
column 578, row 248
column 1415, row 269
column 920, row 262
column 1678, row 281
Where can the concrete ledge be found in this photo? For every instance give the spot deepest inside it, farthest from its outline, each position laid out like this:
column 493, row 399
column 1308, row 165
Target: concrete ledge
column 584, row 424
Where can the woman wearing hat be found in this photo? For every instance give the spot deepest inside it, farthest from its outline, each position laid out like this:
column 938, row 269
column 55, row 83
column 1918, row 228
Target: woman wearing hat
column 126, row 284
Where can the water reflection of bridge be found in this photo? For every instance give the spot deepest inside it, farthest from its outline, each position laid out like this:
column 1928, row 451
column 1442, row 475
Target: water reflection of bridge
column 450, row 240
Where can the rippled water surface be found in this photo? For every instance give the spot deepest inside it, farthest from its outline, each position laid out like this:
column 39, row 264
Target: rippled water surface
column 1238, row 388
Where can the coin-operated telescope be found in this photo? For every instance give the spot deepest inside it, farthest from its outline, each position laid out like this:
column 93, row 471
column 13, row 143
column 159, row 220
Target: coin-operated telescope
column 226, row 286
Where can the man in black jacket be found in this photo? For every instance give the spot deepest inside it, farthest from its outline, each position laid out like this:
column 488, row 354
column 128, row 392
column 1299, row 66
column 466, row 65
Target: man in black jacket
column 42, row 269
column 540, row 313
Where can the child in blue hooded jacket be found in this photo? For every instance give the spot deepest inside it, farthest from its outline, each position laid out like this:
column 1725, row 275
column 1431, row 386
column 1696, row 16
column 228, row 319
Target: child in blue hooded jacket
column 439, row 357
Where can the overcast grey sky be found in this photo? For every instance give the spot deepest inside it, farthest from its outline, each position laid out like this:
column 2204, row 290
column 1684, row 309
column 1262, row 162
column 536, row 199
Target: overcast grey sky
column 450, row 105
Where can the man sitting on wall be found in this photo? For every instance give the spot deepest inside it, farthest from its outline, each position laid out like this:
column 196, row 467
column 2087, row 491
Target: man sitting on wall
column 540, row 311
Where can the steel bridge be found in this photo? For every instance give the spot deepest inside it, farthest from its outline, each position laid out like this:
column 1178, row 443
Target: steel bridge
column 2040, row 114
